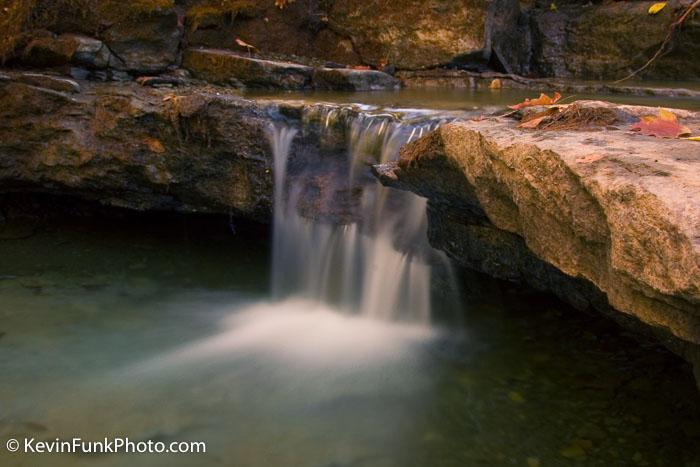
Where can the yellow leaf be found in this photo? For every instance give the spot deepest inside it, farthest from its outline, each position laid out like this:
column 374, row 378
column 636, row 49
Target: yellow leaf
column 154, row 145
column 553, row 6
column 657, row 7
column 495, row 84
column 693, row 138
column 667, row 115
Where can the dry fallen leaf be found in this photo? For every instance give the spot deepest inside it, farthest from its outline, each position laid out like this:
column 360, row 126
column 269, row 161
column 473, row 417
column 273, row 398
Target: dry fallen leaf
column 361, row 67
column 657, row 7
column 154, row 145
column 244, row 44
column 496, row 84
column 533, row 122
column 664, row 125
column 693, row 138
column 542, row 100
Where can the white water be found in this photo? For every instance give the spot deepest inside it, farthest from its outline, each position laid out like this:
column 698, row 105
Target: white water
column 378, row 265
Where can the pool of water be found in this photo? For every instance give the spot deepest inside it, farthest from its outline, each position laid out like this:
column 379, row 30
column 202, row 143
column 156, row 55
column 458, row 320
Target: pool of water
column 465, row 99
column 152, row 329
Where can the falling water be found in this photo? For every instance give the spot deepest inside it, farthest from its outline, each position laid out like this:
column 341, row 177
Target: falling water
column 377, row 261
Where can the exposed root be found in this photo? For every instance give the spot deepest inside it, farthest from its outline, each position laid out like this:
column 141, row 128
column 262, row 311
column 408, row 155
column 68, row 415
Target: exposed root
column 664, row 48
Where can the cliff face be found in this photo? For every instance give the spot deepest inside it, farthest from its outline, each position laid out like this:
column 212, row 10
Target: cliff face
column 577, row 40
column 610, row 209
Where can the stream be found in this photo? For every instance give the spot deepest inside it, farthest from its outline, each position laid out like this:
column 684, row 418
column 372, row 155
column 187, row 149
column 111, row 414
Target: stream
column 336, row 338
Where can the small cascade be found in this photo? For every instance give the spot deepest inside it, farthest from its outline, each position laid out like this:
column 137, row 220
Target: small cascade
column 376, row 259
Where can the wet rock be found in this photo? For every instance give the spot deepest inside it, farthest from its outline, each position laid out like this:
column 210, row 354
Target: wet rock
column 225, row 67
column 138, row 147
column 536, row 206
column 143, row 35
column 69, row 49
column 146, row 42
column 347, row 79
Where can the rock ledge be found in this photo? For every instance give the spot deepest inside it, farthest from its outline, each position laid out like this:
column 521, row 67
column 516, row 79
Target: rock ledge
column 609, row 208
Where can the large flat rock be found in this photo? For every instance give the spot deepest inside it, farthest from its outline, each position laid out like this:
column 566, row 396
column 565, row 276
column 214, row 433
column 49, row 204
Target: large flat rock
column 609, row 208
column 225, row 67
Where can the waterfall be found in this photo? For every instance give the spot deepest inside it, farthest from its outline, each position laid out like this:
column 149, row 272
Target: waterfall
column 376, row 261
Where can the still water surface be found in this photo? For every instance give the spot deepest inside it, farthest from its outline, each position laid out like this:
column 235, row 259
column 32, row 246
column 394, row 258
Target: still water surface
column 152, row 329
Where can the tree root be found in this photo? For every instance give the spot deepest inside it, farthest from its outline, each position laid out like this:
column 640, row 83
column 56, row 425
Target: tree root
column 663, row 48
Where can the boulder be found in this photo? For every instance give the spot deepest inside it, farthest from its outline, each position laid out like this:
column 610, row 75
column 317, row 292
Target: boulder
column 225, row 67
column 617, row 213
column 145, row 35
column 143, row 148
column 70, row 49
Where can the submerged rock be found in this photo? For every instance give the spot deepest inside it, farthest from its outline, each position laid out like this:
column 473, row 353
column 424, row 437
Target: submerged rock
column 619, row 213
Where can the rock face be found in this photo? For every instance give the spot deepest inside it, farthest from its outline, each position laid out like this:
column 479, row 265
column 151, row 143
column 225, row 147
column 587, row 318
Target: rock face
column 410, row 34
column 611, row 40
column 70, row 49
column 576, row 40
column 136, row 147
column 612, row 210
column 140, row 35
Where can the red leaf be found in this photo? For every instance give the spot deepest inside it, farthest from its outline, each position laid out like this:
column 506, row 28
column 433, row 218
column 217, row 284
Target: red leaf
column 665, row 125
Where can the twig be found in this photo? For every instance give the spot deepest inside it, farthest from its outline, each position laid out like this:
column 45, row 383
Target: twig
column 662, row 49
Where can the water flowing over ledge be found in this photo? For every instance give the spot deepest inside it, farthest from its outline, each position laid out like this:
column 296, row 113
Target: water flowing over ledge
column 378, row 261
